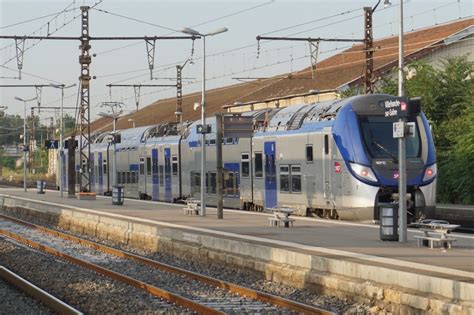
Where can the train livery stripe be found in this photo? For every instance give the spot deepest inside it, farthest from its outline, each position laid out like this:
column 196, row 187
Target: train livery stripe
column 168, row 174
column 270, row 174
column 154, row 168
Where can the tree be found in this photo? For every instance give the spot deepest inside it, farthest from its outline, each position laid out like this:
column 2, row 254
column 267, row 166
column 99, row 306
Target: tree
column 447, row 95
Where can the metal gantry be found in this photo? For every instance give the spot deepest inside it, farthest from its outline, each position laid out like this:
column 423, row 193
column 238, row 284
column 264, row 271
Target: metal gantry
column 85, row 61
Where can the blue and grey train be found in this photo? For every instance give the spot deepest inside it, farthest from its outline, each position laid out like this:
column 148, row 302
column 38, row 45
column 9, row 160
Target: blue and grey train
column 334, row 159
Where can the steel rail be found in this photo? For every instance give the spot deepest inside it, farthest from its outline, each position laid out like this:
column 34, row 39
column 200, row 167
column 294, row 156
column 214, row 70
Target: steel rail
column 39, row 294
column 231, row 287
column 171, row 297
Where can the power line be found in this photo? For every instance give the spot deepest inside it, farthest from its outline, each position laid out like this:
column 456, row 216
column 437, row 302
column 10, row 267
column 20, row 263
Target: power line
column 37, row 18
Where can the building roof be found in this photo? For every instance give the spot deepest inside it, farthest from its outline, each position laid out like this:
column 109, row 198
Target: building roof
column 338, row 71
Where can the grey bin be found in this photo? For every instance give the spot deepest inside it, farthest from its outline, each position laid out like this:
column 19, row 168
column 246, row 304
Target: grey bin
column 40, row 186
column 388, row 216
column 117, row 195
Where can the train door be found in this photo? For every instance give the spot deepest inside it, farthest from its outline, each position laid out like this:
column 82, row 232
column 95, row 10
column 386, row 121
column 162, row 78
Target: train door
column 167, row 155
column 327, row 168
column 154, row 171
column 100, row 174
column 270, row 174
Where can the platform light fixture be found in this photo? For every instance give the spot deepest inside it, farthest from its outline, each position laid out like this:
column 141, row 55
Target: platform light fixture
column 193, row 32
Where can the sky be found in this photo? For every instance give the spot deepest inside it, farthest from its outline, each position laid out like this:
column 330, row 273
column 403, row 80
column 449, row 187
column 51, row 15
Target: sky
column 230, row 55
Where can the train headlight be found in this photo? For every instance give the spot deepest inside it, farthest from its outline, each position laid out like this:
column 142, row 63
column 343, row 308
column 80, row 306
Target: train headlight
column 363, row 172
column 430, row 172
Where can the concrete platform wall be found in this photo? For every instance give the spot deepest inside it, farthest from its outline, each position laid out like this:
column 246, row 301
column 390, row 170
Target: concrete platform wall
column 405, row 291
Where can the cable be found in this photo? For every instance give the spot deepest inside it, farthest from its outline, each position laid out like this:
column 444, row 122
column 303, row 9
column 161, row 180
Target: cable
column 31, row 75
column 35, row 19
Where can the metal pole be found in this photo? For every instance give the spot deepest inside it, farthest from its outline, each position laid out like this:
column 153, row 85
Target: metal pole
column 114, row 174
column 219, row 179
column 24, row 146
column 402, row 181
column 61, row 145
column 203, row 135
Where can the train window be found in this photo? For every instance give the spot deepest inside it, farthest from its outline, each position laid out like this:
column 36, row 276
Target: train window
column 142, row 166
column 229, row 140
column 258, row 164
column 245, row 165
column 162, row 182
column 309, row 153
column 284, row 178
column 326, row 144
column 175, row 165
column 229, row 183
column 132, row 179
column 213, row 183
column 295, row 178
column 129, row 178
column 148, row 166
column 104, row 164
column 212, row 141
column 119, row 179
column 195, row 182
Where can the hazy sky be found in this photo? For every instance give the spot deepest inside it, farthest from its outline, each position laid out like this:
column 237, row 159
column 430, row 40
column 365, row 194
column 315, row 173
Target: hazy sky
column 228, row 55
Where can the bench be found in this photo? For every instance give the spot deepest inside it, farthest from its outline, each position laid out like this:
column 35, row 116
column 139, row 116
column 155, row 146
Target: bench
column 276, row 221
column 431, row 239
column 192, row 208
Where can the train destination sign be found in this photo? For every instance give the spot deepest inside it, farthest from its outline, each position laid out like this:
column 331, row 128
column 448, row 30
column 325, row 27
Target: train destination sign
column 395, row 107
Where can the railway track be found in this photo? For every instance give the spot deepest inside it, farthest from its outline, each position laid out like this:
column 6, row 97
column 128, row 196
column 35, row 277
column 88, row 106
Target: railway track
column 37, row 293
column 199, row 293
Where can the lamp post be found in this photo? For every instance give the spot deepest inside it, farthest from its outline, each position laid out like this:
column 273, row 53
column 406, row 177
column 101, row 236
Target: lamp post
column 61, row 135
column 190, row 31
column 25, row 148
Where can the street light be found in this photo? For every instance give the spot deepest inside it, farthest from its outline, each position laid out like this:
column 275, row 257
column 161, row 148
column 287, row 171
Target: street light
column 25, row 148
column 61, row 135
column 132, row 121
column 190, row 31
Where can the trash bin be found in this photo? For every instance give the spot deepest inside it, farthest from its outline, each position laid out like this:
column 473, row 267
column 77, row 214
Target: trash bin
column 388, row 216
column 117, row 195
column 40, row 186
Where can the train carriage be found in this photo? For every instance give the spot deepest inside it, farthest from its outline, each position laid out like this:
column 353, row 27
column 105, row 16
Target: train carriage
column 335, row 159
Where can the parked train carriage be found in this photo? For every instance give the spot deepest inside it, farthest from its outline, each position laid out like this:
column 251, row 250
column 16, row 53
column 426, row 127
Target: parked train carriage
column 161, row 178
column 236, row 164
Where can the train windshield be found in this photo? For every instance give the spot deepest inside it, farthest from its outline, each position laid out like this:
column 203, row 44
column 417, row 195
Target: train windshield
column 378, row 137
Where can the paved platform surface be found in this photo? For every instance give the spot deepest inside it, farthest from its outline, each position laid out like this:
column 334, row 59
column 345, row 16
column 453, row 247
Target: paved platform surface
column 351, row 237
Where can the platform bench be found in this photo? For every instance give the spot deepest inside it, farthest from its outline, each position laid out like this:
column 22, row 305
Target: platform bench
column 191, row 208
column 434, row 239
column 276, row 221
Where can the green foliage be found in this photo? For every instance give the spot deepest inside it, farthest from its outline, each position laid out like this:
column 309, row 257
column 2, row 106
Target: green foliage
column 447, row 95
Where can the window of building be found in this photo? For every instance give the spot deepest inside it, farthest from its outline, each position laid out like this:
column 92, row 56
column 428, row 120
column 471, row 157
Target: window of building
column 284, row 178
column 309, row 153
column 245, row 165
column 258, row 164
column 175, row 165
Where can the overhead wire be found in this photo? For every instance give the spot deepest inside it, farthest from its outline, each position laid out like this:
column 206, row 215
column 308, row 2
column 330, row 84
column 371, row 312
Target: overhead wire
column 35, row 19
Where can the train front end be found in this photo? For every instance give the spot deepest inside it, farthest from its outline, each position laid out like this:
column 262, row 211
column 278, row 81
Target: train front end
column 366, row 140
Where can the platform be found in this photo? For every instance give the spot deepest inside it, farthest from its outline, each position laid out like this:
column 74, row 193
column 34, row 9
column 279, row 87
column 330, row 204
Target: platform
column 348, row 245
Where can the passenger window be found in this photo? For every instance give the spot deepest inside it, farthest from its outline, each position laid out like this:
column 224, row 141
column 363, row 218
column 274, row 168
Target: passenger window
column 142, row 166
column 148, row 166
column 175, row 165
column 326, row 144
column 213, row 183
column 258, row 164
column 284, row 178
column 309, row 153
column 132, row 181
column 129, row 179
column 162, row 182
column 245, row 165
column 104, row 163
column 295, row 179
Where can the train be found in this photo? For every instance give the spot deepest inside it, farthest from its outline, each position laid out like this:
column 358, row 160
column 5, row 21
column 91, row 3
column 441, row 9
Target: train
column 334, row 159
